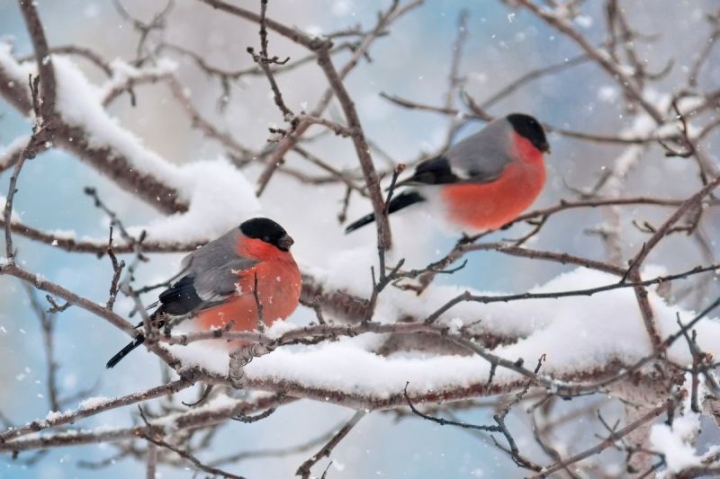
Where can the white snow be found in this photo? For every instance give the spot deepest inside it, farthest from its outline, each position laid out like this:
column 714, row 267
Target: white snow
column 678, row 454
column 343, row 366
column 220, row 196
column 93, row 402
column 15, row 145
column 676, row 443
column 220, row 199
column 577, row 334
column 53, row 416
column 80, row 103
column 13, row 214
column 278, row 328
column 12, row 68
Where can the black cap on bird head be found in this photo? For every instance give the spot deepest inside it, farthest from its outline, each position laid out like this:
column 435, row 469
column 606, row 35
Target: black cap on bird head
column 268, row 231
column 531, row 129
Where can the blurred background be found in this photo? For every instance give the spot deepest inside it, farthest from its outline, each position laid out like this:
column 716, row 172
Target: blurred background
column 413, row 61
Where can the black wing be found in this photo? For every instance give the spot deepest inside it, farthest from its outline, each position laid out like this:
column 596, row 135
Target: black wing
column 432, row 172
column 179, row 299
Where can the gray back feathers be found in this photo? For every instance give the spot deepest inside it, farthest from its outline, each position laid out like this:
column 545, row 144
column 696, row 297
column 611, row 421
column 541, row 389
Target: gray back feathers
column 214, row 267
column 483, row 156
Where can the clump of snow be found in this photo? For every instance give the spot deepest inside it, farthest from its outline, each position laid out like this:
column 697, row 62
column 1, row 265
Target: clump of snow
column 210, row 355
column 220, row 199
column 278, row 328
column 678, row 454
column 686, row 427
column 80, row 103
column 219, row 195
column 343, row 366
column 53, row 416
column 93, row 402
column 13, row 215
column 14, row 145
column 13, row 69
column 676, row 442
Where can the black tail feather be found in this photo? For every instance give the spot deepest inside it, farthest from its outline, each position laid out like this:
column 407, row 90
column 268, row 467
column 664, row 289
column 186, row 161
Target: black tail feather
column 365, row 220
column 139, row 339
column 401, row 201
column 130, row 347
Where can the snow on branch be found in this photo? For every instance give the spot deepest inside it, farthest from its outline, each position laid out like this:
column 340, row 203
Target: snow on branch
column 213, row 191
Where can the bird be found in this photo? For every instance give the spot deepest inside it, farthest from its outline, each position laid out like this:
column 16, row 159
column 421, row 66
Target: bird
column 481, row 183
column 217, row 283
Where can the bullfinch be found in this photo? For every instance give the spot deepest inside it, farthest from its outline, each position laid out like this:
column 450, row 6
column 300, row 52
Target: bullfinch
column 218, row 282
column 483, row 182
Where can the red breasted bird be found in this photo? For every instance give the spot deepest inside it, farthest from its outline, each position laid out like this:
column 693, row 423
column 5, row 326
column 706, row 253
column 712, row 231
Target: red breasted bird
column 218, row 282
column 483, row 182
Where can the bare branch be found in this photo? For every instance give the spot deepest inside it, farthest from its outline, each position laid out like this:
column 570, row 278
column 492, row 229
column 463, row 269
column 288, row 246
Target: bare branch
column 288, row 142
column 610, row 441
column 616, row 73
column 362, row 149
column 151, row 462
column 27, row 152
column 47, row 326
column 194, row 460
column 43, row 60
column 304, row 469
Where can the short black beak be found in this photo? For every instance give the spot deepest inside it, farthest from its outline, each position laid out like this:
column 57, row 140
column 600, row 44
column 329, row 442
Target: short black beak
column 285, row 243
column 546, row 149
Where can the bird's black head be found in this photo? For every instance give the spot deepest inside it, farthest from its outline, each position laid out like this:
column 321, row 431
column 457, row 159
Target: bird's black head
column 268, row 231
column 531, row 129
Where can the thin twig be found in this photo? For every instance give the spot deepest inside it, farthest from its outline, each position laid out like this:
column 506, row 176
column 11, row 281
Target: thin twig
column 264, row 61
column 554, row 20
column 117, row 271
column 151, row 461
column 258, row 305
column 46, row 70
column 608, row 442
column 73, row 416
column 362, row 149
column 189, row 457
column 446, row 422
column 47, row 327
column 304, row 469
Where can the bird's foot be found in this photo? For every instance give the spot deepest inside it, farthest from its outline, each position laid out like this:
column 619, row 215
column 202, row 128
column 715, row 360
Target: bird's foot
column 241, row 357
